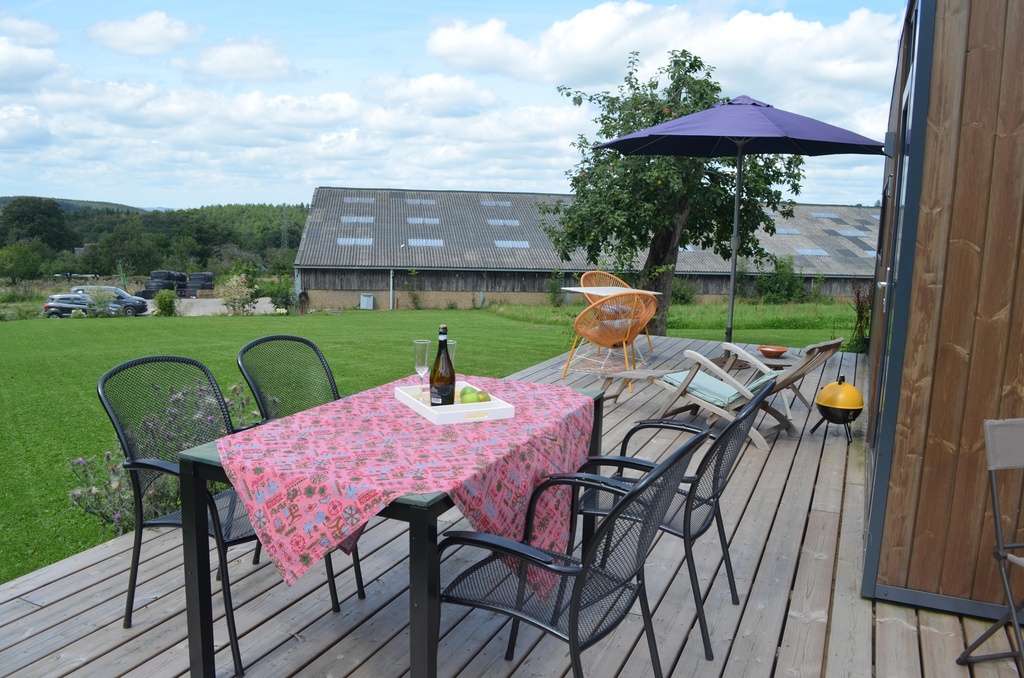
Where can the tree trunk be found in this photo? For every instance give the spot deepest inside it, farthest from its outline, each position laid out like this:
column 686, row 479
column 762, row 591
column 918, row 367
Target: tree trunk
column 662, row 257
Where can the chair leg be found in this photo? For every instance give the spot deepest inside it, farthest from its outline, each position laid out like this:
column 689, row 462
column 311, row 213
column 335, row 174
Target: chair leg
column 256, row 553
column 229, row 610
column 652, row 643
column 357, row 570
column 133, row 577
column 569, row 359
column 1012, row 616
column 725, row 554
column 698, row 601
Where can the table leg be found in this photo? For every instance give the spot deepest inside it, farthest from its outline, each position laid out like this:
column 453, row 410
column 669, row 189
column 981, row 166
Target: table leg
column 424, row 595
column 196, row 553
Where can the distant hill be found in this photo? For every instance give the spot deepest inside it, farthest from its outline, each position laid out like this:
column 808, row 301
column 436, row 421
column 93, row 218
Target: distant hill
column 77, row 205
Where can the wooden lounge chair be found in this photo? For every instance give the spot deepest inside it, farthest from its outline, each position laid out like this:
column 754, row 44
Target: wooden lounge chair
column 605, row 279
column 707, row 386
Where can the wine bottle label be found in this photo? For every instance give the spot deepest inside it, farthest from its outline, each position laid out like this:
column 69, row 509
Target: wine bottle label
column 439, row 393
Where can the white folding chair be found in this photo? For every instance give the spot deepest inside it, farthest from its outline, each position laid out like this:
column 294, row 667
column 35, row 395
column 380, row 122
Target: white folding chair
column 1004, row 446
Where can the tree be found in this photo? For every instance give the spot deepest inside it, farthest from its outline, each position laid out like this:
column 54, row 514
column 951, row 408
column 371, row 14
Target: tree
column 626, row 205
column 26, row 218
column 22, row 260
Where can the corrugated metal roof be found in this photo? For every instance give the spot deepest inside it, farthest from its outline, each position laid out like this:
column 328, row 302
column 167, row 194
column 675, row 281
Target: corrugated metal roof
column 428, row 230
column 472, row 230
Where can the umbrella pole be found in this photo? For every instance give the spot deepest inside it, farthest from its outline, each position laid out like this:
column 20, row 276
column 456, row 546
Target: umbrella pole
column 735, row 241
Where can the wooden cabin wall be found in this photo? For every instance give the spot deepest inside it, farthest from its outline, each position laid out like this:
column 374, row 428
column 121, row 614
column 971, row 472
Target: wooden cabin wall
column 963, row 362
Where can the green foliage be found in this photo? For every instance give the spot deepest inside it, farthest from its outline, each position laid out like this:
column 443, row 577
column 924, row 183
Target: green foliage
column 624, row 205
column 684, row 291
column 556, row 296
column 22, row 261
column 782, row 285
column 858, row 342
column 166, row 302
column 26, row 218
column 281, row 293
column 239, row 294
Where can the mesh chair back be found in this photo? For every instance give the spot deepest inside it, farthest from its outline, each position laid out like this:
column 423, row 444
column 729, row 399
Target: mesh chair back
column 615, row 556
column 286, row 375
column 162, row 405
column 1004, row 443
column 715, row 469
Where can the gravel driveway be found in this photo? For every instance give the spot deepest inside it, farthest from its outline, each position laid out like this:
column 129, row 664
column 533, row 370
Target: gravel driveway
column 216, row 306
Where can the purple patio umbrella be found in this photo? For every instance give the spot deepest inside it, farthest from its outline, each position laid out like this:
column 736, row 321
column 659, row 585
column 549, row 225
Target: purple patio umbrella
column 737, row 128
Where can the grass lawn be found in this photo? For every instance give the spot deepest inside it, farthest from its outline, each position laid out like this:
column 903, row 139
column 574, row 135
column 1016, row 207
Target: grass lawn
column 52, row 413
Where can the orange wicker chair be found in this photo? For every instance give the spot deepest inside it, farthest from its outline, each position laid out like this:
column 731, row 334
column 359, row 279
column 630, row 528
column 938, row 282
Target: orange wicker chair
column 605, row 279
column 613, row 322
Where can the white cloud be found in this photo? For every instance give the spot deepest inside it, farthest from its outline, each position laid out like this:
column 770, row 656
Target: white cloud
column 21, row 126
column 27, row 32
column 434, row 94
column 147, row 35
column 589, row 48
column 21, row 66
column 251, row 60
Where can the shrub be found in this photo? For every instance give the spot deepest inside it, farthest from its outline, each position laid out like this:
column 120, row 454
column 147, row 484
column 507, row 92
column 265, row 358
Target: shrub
column 103, row 487
column 281, row 294
column 555, row 294
column 862, row 324
column 166, row 302
column 239, row 295
column 684, row 291
column 782, row 285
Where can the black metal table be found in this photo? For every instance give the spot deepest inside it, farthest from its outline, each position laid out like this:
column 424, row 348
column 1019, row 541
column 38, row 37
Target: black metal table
column 202, row 464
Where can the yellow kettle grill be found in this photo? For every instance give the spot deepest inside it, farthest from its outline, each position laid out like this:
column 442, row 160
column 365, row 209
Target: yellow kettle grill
column 839, row 403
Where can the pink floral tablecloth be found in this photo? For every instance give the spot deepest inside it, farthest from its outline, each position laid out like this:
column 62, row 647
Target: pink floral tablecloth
column 311, row 481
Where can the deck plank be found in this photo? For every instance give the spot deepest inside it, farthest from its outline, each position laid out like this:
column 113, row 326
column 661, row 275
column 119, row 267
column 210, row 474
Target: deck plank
column 794, row 520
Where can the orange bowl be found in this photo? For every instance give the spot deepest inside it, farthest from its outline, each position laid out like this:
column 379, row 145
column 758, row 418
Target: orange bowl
column 772, row 351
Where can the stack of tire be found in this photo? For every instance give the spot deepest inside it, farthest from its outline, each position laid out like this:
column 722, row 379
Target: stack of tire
column 182, row 284
column 196, row 282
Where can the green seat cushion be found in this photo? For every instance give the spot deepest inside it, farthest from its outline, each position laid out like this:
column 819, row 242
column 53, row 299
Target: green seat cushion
column 714, row 391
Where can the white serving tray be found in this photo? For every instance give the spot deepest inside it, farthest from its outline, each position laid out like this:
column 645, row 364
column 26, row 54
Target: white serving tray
column 495, row 408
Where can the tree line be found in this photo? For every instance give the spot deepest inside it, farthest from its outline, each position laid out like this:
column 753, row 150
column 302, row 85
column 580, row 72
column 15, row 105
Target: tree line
column 41, row 237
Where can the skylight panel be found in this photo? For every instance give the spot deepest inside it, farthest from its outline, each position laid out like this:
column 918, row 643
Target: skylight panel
column 420, row 201
column 811, row 252
column 502, row 222
column 853, row 233
column 354, row 219
column 513, row 244
column 425, row 242
column 495, row 203
column 355, row 200
column 871, row 253
column 687, row 248
column 355, row 242
column 825, row 215
column 431, row 221
column 786, row 230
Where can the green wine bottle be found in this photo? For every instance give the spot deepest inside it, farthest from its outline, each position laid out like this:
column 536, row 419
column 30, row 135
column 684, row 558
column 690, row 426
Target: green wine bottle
column 442, row 376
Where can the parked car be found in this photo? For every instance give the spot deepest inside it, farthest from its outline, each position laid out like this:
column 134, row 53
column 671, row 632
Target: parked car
column 61, row 306
column 129, row 305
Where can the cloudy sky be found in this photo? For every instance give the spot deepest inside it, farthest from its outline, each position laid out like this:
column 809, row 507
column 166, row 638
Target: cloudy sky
column 192, row 103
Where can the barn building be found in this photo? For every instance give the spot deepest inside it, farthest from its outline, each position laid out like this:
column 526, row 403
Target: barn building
column 391, row 248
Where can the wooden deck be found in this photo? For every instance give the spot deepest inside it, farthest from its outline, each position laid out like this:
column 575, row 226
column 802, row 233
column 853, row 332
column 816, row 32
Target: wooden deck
column 794, row 515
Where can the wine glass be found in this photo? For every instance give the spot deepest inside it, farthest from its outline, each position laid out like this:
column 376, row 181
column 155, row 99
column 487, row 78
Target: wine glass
column 422, row 353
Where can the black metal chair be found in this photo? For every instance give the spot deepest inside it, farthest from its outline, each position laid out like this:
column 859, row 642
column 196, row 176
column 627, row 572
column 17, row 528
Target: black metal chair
column 159, row 406
column 695, row 506
column 286, row 374
column 579, row 599
column 289, row 374
column 1004, row 447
